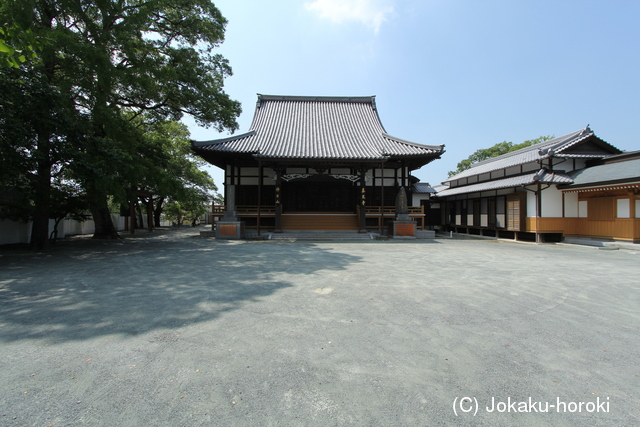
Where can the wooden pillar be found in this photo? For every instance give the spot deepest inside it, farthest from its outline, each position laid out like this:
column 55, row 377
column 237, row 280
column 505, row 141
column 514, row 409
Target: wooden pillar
column 260, row 170
column 381, row 197
column 278, row 218
column 404, row 175
column 363, row 201
column 538, row 194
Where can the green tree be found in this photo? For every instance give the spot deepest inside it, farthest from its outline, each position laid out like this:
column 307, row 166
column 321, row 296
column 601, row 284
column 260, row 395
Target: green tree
column 40, row 133
column 172, row 172
column 179, row 212
column 18, row 43
column 494, row 151
column 114, row 60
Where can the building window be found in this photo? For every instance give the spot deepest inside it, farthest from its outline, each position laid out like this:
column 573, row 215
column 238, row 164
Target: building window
column 623, row 208
column 582, row 209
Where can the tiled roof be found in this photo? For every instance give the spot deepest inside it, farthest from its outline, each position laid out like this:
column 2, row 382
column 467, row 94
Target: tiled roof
column 613, row 172
column 542, row 176
column 422, row 188
column 296, row 127
column 556, row 147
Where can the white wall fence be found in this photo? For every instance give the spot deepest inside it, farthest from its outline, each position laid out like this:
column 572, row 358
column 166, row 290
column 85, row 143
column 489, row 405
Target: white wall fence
column 16, row 232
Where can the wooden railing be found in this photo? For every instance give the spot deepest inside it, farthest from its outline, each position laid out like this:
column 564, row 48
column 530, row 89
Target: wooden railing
column 391, row 210
column 253, row 209
column 244, row 209
column 386, row 212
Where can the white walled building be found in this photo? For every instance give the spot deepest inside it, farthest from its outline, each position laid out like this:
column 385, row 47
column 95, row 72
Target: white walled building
column 526, row 193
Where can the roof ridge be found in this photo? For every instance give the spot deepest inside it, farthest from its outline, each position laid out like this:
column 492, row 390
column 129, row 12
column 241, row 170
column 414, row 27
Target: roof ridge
column 558, row 140
column 306, row 98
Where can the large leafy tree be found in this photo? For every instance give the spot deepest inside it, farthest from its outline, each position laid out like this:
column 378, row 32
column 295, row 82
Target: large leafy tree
column 40, row 133
column 494, row 151
column 114, row 60
column 171, row 172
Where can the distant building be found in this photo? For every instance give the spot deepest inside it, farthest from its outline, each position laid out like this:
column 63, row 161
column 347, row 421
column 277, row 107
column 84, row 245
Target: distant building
column 573, row 185
column 319, row 163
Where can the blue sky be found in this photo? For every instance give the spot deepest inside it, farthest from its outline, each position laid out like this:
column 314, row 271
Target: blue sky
column 464, row 73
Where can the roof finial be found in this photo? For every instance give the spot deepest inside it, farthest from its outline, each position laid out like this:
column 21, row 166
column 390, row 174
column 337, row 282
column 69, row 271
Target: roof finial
column 586, row 130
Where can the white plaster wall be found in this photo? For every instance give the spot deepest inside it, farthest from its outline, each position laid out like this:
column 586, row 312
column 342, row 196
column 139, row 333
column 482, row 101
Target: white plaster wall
column 580, row 164
column 514, row 170
column 14, row 232
column 528, row 167
column 416, row 198
column 566, row 166
column 551, row 202
column 571, row 205
column 483, row 177
column 583, row 209
column 497, row 174
column 637, row 208
column 531, row 204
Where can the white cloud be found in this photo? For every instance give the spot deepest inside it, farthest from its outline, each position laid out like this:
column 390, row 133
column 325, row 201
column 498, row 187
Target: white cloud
column 369, row 12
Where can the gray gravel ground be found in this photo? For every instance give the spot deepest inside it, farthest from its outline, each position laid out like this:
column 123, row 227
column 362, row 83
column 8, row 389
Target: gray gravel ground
column 173, row 330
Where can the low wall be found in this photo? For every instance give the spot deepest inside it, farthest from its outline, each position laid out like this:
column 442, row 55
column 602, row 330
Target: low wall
column 15, row 232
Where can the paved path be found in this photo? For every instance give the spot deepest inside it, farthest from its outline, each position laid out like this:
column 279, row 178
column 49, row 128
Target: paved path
column 173, row 330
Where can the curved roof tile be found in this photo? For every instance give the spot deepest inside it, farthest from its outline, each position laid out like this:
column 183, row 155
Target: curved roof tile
column 556, row 147
column 298, row 127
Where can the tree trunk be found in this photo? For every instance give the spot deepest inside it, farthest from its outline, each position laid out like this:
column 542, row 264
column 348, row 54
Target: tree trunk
column 139, row 217
column 157, row 212
column 102, row 219
column 41, row 195
column 40, row 230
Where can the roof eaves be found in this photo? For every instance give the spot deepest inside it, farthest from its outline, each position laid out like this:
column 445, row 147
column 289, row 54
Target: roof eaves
column 544, row 150
column 222, row 140
column 542, row 176
column 437, row 148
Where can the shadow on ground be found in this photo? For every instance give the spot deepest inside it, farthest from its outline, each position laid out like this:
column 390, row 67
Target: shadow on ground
column 90, row 288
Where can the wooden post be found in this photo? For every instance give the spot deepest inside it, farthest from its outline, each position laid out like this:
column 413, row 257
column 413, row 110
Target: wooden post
column 363, row 201
column 278, row 218
column 381, row 217
column 260, row 170
column 538, row 194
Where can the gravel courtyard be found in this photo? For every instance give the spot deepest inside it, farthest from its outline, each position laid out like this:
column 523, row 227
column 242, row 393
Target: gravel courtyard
column 173, row 330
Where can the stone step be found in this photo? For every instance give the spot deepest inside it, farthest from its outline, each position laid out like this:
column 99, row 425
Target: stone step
column 320, row 235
